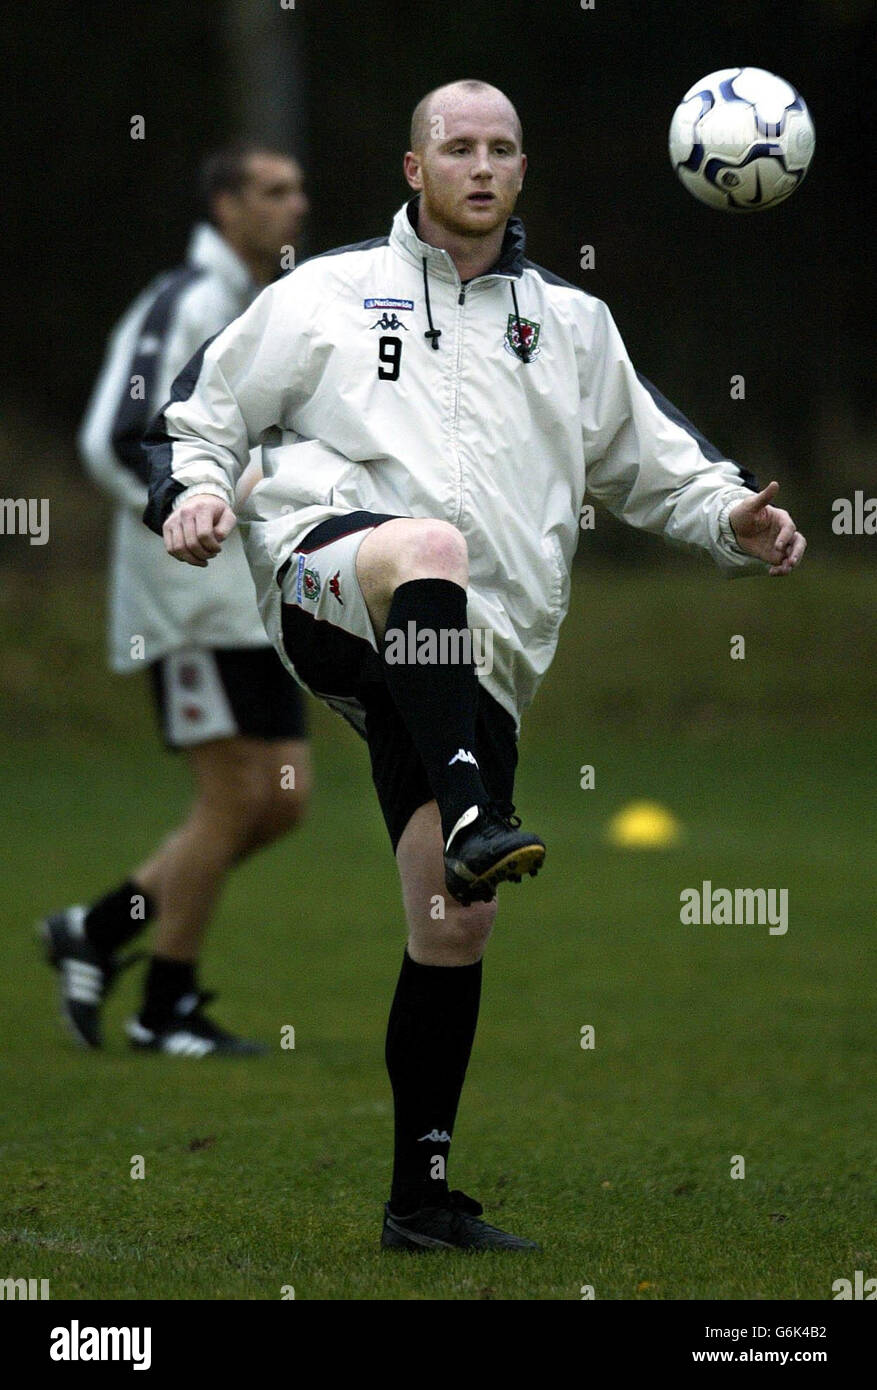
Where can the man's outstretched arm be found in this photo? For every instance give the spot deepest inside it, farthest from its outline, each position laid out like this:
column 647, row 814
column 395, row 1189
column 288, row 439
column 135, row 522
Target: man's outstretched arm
column 768, row 533
column 653, row 469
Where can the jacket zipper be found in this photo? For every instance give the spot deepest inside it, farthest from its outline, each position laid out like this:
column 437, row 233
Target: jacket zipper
column 455, row 401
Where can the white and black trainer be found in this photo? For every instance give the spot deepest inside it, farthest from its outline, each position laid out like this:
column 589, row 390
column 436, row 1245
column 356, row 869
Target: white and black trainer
column 187, row 1032
column 485, row 848
column 86, row 974
column 453, row 1224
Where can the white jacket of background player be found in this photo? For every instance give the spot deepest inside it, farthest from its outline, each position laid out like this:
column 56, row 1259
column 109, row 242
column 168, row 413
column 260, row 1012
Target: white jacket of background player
column 332, row 371
column 169, row 605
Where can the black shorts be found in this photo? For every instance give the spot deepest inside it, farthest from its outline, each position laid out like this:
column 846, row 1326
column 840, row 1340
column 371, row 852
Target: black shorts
column 206, row 693
column 345, row 671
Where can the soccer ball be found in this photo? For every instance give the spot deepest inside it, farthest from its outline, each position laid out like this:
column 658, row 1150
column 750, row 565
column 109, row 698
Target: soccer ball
column 741, row 139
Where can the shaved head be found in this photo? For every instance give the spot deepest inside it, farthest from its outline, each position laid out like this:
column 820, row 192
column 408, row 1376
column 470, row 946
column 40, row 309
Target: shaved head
column 467, row 165
column 450, row 99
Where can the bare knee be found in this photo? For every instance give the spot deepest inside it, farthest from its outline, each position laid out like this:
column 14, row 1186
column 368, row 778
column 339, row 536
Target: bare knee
column 409, row 548
column 232, row 813
column 460, row 939
column 287, row 784
column 434, row 550
column 283, row 810
column 250, row 792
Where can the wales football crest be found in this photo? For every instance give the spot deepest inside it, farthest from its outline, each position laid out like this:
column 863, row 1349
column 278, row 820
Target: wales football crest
column 311, row 585
column 528, row 334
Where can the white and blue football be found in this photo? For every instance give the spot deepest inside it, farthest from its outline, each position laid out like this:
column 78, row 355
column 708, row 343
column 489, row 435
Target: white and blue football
column 741, row 139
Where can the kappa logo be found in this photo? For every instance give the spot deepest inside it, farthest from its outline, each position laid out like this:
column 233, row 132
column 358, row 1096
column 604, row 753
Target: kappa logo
column 435, row 1137
column 335, row 587
column 390, row 321
column 463, row 756
column 528, row 336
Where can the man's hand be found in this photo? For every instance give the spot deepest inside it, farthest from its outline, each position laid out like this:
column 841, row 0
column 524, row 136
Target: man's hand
column 767, row 532
column 196, row 530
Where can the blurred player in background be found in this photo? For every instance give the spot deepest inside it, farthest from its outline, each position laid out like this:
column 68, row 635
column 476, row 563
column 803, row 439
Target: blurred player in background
column 221, row 692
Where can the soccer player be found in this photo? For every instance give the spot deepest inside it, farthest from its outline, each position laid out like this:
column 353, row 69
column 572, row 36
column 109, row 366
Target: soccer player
column 433, row 406
column 222, row 694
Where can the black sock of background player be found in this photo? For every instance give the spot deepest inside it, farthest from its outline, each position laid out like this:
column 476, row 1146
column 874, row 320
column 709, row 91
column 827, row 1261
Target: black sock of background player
column 167, row 981
column 438, row 701
column 429, row 1039
column 117, row 917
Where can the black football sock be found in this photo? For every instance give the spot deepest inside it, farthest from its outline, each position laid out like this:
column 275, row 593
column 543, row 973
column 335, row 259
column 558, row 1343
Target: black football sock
column 429, row 1039
column 437, row 699
column 118, row 917
column 167, row 981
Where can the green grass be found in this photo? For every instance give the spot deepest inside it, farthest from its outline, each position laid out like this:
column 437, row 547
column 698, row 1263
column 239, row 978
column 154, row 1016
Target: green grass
column 710, row 1041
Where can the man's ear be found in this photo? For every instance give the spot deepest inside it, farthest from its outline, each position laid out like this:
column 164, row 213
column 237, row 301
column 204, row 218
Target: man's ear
column 412, row 171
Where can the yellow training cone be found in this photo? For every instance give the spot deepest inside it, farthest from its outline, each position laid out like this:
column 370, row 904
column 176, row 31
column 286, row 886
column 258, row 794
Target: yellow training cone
column 644, row 825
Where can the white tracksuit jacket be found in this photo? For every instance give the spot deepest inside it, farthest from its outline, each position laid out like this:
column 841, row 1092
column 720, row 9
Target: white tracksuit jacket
column 331, row 369
column 171, row 606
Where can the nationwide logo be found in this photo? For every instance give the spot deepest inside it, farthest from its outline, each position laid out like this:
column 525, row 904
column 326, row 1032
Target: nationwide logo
column 528, row 335
column 388, row 304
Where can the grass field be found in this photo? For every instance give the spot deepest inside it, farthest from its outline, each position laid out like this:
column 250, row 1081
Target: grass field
column 711, row 1041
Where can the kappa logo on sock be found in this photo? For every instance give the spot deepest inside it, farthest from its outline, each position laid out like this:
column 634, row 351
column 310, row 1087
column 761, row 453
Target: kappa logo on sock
column 463, row 756
column 434, row 1137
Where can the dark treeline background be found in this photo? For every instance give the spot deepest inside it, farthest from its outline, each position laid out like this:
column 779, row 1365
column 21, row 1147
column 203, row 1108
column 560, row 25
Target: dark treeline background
column 785, row 297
